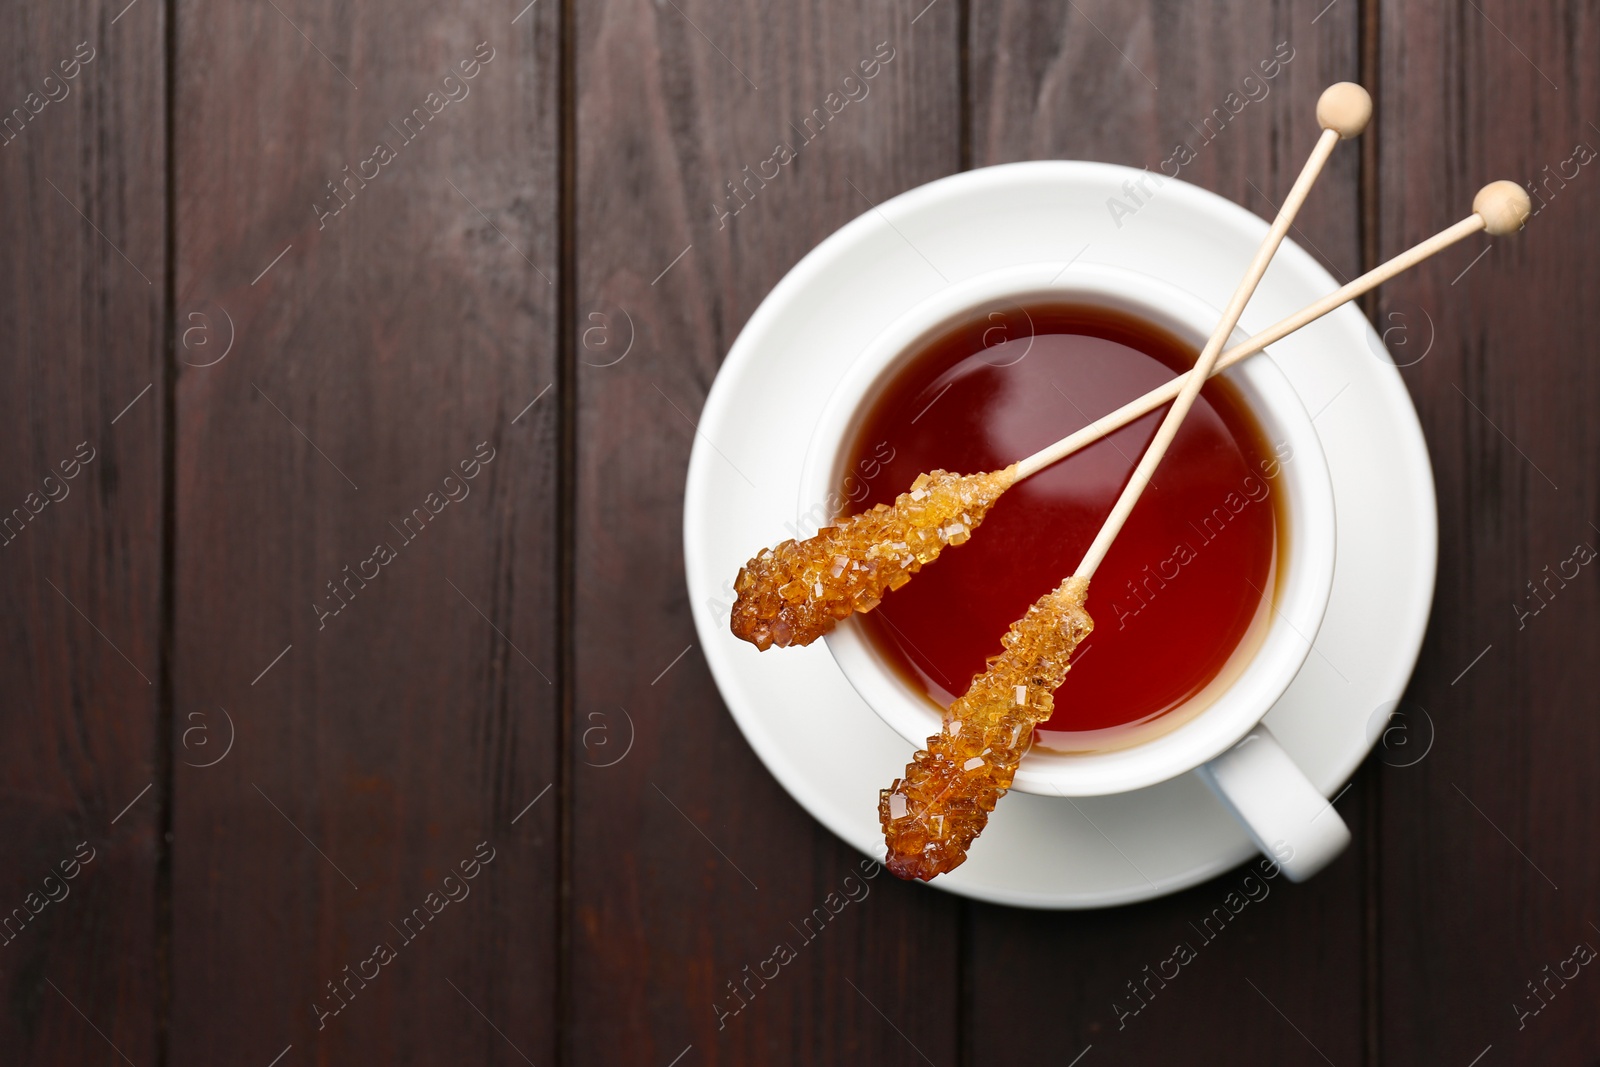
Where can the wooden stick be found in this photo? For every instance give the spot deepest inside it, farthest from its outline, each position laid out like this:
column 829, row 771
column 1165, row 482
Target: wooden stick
column 1500, row 208
column 1342, row 111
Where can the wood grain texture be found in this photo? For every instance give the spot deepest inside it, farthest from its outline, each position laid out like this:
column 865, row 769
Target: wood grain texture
column 403, row 332
column 82, row 311
column 270, row 789
column 673, row 102
column 1127, row 84
column 1488, row 864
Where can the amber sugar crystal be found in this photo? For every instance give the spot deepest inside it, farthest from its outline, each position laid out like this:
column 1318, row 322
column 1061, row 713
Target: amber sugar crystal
column 932, row 815
column 796, row 592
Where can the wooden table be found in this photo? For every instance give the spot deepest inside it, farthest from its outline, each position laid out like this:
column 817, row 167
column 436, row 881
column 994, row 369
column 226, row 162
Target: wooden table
column 344, row 602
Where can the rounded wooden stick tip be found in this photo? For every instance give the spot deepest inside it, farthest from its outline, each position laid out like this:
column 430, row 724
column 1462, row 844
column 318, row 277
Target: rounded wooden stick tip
column 1345, row 108
column 1503, row 206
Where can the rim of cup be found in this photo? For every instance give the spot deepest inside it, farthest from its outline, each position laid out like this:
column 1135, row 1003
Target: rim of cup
column 1302, row 591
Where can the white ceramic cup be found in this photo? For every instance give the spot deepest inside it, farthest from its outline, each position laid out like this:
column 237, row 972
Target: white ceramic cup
column 1225, row 743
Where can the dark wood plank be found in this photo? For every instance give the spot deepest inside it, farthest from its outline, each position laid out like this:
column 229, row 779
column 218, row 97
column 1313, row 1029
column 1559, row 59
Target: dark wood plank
column 660, row 922
column 82, row 223
column 383, row 730
column 1080, row 82
column 1489, row 865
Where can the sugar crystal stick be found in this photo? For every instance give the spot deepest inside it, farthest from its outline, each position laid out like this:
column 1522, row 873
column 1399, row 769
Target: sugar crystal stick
column 794, row 593
column 943, row 804
column 932, row 815
column 765, row 619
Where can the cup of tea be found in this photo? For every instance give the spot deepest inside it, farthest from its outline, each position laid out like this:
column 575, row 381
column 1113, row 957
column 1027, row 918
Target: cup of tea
column 1211, row 598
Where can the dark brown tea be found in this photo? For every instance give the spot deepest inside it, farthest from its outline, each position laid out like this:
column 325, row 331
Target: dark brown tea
column 1185, row 595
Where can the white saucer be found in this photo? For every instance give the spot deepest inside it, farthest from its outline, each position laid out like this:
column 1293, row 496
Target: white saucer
column 805, row 722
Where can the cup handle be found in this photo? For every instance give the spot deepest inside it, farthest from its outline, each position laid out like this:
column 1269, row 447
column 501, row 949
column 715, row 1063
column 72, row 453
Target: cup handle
column 1292, row 823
